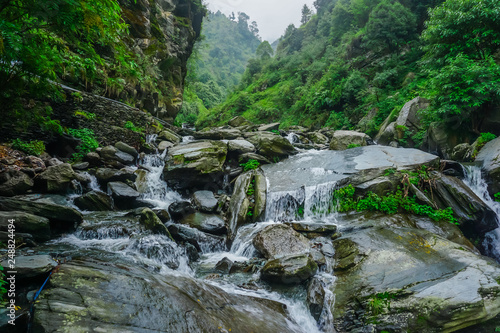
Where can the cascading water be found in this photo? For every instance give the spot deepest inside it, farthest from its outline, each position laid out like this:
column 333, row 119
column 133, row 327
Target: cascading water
column 117, row 237
column 477, row 184
column 157, row 192
column 293, row 138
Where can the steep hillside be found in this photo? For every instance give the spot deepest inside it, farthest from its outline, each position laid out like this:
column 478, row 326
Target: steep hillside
column 357, row 61
column 132, row 51
column 218, row 63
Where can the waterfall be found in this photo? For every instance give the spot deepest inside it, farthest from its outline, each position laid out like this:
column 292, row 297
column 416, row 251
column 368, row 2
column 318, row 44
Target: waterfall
column 307, row 203
column 158, row 193
column 293, row 138
column 477, row 184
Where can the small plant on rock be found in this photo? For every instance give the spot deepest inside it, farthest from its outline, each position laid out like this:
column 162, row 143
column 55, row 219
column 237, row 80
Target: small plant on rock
column 130, row 125
column 88, row 141
column 250, row 165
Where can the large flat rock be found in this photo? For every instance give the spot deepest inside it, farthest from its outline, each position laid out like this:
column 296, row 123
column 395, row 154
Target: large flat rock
column 89, row 296
column 411, row 280
column 320, row 167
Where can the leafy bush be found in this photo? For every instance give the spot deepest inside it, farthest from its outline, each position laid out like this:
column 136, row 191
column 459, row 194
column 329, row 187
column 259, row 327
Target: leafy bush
column 250, row 165
column 88, row 141
column 486, row 137
column 353, row 145
column 35, row 148
column 389, row 204
column 130, row 125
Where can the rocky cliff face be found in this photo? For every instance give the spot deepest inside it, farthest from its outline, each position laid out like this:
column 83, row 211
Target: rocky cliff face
column 162, row 33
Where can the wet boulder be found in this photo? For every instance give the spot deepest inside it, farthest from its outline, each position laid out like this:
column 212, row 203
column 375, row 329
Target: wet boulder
column 81, row 166
column 38, row 227
column 442, row 138
column 115, row 157
column 209, row 223
column 106, row 175
column 205, row 201
column 313, row 229
column 278, row 240
column 474, row 216
column 169, row 135
column 178, row 210
column 292, row 269
column 150, row 221
column 244, row 158
column 239, row 204
column 271, row 145
column 165, row 145
column 124, row 196
column 118, row 298
column 93, row 158
column 408, row 120
column 122, row 146
column 57, row 179
column 240, row 147
column 317, row 138
column 418, row 280
column 60, row 217
column 269, row 127
column 489, row 159
column 94, row 201
column 162, row 214
column 224, row 266
column 317, row 294
column 341, row 140
column 220, row 133
column 238, row 121
column 195, row 165
column 32, row 267
column 260, row 196
column 203, row 242
column 14, row 182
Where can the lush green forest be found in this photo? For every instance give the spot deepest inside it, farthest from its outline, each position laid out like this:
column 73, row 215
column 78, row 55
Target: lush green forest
column 353, row 56
column 218, row 63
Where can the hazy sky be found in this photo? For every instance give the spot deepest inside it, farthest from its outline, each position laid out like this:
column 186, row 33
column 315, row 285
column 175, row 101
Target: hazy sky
column 272, row 16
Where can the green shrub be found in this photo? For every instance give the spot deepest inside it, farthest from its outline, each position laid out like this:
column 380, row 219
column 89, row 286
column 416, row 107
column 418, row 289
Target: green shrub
column 389, row 204
column 35, row 148
column 88, row 141
column 130, row 125
column 250, row 165
column 353, row 145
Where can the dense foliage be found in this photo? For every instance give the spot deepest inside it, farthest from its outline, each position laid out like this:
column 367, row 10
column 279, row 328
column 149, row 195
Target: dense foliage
column 392, row 203
column 60, row 40
column 354, row 56
column 219, row 62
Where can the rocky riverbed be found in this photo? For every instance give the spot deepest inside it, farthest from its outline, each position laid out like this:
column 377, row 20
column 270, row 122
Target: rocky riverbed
column 239, row 229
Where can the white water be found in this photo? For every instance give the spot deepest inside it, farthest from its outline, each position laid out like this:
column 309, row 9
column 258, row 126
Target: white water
column 293, row 138
column 477, row 184
column 158, row 193
column 187, row 139
column 117, row 235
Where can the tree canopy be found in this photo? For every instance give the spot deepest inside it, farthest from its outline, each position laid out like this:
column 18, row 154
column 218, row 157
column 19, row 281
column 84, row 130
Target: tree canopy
column 32, row 46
